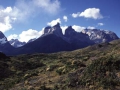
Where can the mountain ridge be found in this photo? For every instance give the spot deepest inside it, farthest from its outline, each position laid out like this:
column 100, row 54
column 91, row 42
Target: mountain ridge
column 53, row 40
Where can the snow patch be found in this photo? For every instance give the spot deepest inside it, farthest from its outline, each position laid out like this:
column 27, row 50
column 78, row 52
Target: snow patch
column 3, row 40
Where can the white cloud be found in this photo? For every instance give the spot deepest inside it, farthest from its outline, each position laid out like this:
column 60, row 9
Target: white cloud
column 25, row 9
column 7, row 10
column 12, row 36
column 65, row 18
column 29, row 34
column 90, row 27
column 75, row 15
column 25, row 36
column 63, row 29
column 93, row 13
column 78, row 28
column 50, row 6
column 6, row 25
column 5, row 19
column 54, row 22
column 100, row 24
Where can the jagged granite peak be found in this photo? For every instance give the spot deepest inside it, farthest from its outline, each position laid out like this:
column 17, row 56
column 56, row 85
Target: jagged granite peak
column 47, row 30
column 16, row 43
column 78, row 39
column 70, row 28
column 57, row 25
column 56, row 29
column 70, row 31
column 100, row 36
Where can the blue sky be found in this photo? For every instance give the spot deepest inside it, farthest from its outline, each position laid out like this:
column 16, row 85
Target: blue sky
column 26, row 19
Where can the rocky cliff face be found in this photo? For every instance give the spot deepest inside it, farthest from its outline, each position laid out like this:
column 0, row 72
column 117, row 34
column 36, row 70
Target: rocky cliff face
column 100, row 36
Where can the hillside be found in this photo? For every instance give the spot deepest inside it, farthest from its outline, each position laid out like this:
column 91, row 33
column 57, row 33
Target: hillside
column 95, row 67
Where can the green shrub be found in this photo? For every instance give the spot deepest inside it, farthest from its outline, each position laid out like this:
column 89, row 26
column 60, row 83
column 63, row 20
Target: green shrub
column 61, row 70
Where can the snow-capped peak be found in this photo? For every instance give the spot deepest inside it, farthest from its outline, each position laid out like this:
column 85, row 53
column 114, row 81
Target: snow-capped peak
column 98, row 35
column 3, row 40
column 16, row 43
column 107, row 32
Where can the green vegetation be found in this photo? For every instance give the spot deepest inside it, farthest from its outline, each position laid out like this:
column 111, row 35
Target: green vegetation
column 95, row 67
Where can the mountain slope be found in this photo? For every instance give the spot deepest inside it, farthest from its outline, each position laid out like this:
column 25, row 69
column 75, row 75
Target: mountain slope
column 95, row 67
column 31, row 40
column 5, row 45
column 46, row 44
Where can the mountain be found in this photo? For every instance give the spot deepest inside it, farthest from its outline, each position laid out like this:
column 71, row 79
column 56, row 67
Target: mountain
column 77, row 39
column 53, row 40
column 5, row 45
column 100, row 36
column 16, row 43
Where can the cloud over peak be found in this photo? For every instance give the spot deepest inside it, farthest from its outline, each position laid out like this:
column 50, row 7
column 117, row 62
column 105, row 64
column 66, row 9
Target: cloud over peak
column 93, row 13
column 54, row 22
column 29, row 34
column 12, row 36
column 26, row 35
column 78, row 28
